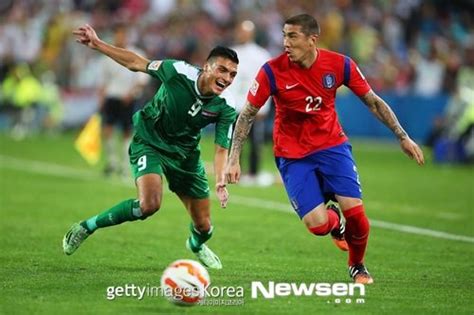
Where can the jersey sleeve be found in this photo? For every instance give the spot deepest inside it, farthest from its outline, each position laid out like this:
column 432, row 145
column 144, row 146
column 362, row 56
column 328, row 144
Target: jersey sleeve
column 224, row 127
column 163, row 71
column 259, row 92
column 354, row 79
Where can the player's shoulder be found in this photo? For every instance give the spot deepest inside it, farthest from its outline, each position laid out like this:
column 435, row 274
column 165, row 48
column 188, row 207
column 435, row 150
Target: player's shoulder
column 330, row 54
column 279, row 63
column 182, row 67
column 329, row 59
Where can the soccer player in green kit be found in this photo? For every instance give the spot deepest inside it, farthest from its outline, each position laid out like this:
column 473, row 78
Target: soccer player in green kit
column 166, row 142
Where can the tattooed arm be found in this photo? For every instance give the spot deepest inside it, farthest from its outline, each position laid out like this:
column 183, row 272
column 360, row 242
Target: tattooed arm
column 384, row 113
column 242, row 129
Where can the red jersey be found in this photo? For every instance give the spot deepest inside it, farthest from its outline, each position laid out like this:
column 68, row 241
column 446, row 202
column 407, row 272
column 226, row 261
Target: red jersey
column 306, row 120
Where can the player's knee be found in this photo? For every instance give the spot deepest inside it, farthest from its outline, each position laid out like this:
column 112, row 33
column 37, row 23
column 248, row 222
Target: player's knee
column 314, row 221
column 149, row 206
column 203, row 226
column 316, row 217
column 319, row 230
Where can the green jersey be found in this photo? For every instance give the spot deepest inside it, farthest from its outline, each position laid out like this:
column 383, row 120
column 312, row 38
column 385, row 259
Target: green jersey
column 173, row 119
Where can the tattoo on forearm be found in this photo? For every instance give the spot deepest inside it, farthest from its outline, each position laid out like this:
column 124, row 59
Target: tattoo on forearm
column 242, row 129
column 384, row 113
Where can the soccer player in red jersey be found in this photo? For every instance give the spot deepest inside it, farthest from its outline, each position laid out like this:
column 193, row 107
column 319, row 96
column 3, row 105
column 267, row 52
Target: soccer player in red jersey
column 311, row 149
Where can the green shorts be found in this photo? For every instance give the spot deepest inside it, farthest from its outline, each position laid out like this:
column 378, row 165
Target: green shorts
column 185, row 177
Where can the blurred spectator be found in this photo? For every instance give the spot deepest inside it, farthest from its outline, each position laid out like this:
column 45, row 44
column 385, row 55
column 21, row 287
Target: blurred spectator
column 333, row 25
column 119, row 91
column 22, row 34
column 452, row 136
column 363, row 40
column 23, row 91
column 51, row 100
column 429, row 73
column 54, row 39
column 252, row 57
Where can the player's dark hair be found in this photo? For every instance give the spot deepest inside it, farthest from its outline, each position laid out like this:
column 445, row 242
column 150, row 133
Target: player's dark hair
column 224, row 52
column 309, row 25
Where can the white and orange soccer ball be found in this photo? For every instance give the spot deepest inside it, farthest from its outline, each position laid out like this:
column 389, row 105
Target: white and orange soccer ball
column 184, row 282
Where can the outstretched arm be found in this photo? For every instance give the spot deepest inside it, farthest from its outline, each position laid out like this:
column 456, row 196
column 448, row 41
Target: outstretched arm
column 220, row 160
column 384, row 113
column 86, row 35
column 242, row 129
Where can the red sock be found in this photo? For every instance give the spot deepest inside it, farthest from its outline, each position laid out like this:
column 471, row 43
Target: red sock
column 331, row 224
column 357, row 233
column 333, row 220
column 322, row 229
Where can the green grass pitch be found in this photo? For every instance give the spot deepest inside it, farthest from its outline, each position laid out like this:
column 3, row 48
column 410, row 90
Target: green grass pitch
column 45, row 186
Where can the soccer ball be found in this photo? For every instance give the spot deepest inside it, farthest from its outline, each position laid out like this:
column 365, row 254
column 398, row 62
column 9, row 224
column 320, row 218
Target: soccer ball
column 184, row 282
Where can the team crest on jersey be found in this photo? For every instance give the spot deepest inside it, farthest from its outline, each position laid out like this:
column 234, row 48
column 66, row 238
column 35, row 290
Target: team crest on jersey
column 329, row 80
column 254, row 87
column 154, row 65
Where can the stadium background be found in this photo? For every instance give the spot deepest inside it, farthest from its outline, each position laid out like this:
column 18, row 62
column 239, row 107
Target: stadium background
column 412, row 52
column 416, row 54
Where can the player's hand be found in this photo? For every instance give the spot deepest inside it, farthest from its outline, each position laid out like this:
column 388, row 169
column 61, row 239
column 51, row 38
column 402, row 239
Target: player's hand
column 222, row 194
column 232, row 173
column 86, row 35
column 412, row 150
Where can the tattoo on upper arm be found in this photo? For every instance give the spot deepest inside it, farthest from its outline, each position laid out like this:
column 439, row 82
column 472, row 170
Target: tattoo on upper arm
column 384, row 113
column 248, row 115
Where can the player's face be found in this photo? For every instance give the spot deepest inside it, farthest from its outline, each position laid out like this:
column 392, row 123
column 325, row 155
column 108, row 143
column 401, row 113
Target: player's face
column 298, row 46
column 218, row 74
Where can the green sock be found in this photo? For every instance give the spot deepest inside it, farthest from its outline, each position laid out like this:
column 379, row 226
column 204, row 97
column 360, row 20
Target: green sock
column 128, row 210
column 198, row 238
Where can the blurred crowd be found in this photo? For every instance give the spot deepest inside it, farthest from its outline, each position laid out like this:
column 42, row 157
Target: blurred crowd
column 398, row 44
column 402, row 46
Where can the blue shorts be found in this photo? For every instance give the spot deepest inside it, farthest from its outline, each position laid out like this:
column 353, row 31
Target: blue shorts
column 313, row 179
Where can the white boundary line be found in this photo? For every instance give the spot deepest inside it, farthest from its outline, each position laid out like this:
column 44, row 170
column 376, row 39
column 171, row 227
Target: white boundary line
column 282, row 207
column 69, row 172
